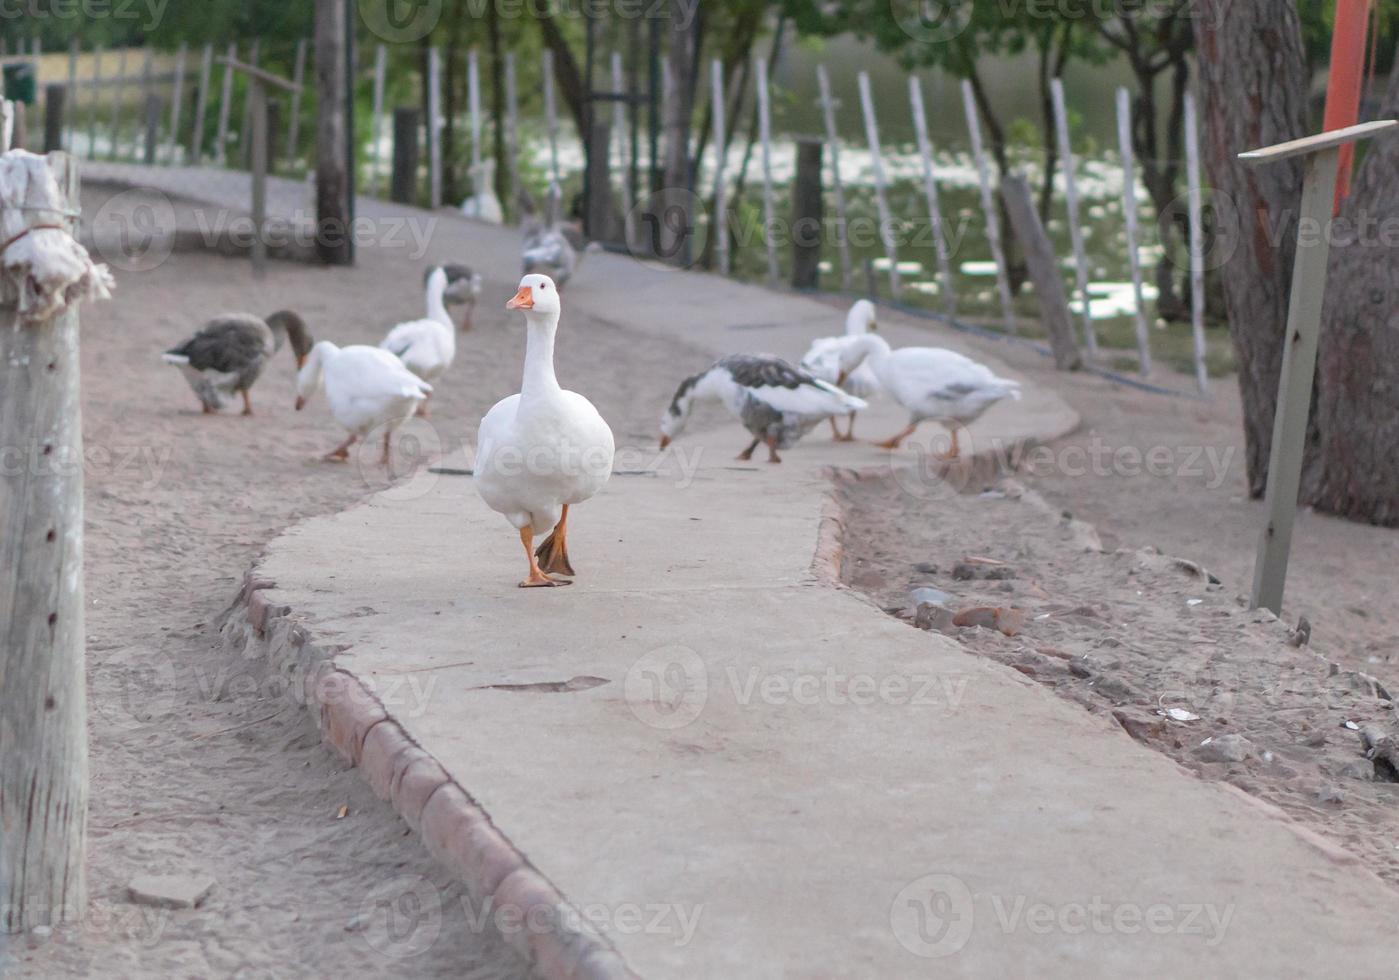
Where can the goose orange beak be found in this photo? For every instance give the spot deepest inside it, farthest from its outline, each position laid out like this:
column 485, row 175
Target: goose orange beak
column 523, row 300
column 665, row 441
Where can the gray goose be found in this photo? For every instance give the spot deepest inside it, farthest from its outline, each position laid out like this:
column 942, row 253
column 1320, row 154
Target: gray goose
column 226, row 356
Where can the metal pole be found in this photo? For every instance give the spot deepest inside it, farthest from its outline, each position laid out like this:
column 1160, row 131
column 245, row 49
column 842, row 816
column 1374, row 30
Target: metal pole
column 201, row 106
column 886, row 220
column 1129, row 212
column 1066, row 153
column 176, row 101
column 1197, row 247
column 765, row 134
column 823, row 82
column 930, row 191
column 988, row 206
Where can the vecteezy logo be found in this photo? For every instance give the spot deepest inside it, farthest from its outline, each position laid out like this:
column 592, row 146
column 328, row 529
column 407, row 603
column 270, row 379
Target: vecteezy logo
column 401, row 917
column 932, row 916
column 931, row 21
column 667, row 688
column 666, row 224
column 134, row 231
column 400, row 21
column 136, row 692
column 922, row 468
column 1220, row 230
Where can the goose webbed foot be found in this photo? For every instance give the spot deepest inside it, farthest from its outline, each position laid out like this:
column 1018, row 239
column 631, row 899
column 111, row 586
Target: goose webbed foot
column 747, row 454
column 537, row 579
column 247, row 403
column 552, row 555
column 772, row 451
column 341, row 453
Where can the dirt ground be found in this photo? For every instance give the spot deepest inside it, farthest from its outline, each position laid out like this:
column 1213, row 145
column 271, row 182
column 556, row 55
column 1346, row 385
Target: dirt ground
column 204, row 766
column 1082, row 539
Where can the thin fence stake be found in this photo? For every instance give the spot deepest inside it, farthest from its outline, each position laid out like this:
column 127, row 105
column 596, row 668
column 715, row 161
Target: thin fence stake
column 225, row 103
column 118, row 96
column 473, row 104
column 930, row 191
column 886, row 220
column 92, row 102
column 823, row 82
column 434, row 130
column 1197, row 245
column 1129, row 212
column 551, row 122
column 294, row 125
column 1066, row 154
column 147, row 94
column 619, row 128
column 176, row 101
column 720, row 228
column 201, row 105
column 376, row 122
column 512, row 134
column 245, row 128
column 72, row 94
column 988, row 205
column 765, row 135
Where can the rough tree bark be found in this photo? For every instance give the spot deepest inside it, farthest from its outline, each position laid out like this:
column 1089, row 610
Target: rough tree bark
column 1354, row 471
column 1253, row 81
column 332, row 172
column 677, row 198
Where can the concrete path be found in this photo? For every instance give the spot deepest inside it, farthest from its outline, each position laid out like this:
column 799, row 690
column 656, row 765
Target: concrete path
column 733, row 767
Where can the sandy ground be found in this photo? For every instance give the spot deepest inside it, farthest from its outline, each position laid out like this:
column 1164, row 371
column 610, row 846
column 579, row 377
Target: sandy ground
column 204, row 766
column 1126, row 629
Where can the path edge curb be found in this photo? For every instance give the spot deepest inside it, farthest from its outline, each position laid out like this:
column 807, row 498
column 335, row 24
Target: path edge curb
column 456, row 830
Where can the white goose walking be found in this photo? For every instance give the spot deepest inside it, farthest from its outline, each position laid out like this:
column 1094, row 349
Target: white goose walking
column 930, row 382
column 545, row 449
column 777, row 403
column 822, row 360
column 367, row 389
column 427, row 347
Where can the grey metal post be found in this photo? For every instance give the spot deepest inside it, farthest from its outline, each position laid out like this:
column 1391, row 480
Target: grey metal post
column 930, row 191
column 881, row 197
column 1129, row 212
column 823, row 82
column 1066, row 154
column 720, row 228
column 988, row 206
column 201, row 106
column 765, row 135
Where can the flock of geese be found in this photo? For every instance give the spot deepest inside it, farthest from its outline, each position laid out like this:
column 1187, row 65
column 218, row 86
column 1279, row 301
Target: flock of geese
column 546, row 449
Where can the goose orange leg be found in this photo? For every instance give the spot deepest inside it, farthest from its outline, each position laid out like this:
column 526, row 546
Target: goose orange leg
column 747, row 454
column 893, row 441
column 953, row 452
column 772, row 450
column 537, row 579
column 835, row 430
column 553, row 553
column 849, row 430
column 341, row 453
column 247, row 403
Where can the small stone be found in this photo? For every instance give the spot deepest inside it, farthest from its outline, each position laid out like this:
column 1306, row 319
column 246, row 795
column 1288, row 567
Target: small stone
column 935, row 616
column 1225, row 748
column 962, row 572
column 998, row 572
column 1079, row 669
column 983, row 616
column 1330, row 794
column 1115, row 689
column 170, row 891
column 926, row 568
column 1010, row 620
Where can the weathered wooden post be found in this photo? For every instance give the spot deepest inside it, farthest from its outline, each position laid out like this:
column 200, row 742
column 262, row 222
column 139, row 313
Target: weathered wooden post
column 930, row 191
column 333, row 187
column 1322, row 154
column 43, row 740
column 55, row 97
column 434, row 128
column 1044, row 272
column 808, row 215
column 1129, row 213
column 881, row 198
column 828, row 115
column 988, row 206
column 765, row 135
column 1066, row 155
column 404, row 187
column 720, row 228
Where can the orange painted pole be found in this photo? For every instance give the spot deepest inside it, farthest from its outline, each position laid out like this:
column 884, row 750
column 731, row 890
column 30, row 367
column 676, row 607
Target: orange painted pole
column 1346, row 77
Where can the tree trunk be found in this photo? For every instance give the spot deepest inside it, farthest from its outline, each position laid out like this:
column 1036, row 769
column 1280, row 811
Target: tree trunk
column 1253, row 80
column 502, row 165
column 676, row 237
column 1355, row 472
column 332, row 172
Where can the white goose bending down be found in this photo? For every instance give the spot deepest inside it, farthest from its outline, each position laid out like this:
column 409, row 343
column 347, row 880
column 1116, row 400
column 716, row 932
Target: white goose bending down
column 428, row 346
column 776, row 402
column 822, row 360
column 930, row 382
column 544, row 450
column 367, row 389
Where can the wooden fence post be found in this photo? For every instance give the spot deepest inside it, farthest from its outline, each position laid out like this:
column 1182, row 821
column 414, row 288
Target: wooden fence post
column 808, row 215
column 512, row 138
column 118, row 97
column 930, row 191
column 828, row 114
column 177, row 101
column 54, row 99
column 619, row 128
column 434, row 130
column 765, row 135
column 404, row 186
column 94, row 90
column 225, row 105
column 201, row 105
column 43, row 742
column 1066, row 155
column 259, row 161
column 1129, row 212
column 245, row 126
column 720, row 227
column 376, row 124
column 881, row 197
column 988, row 206
column 72, row 93
column 152, row 128
column 1197, row 246
column 333, row 186
column 473, row 106
column 1044, row 272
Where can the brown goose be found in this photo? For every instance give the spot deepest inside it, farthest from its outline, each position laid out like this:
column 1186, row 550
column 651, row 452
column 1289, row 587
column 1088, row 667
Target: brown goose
column 229, row 352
